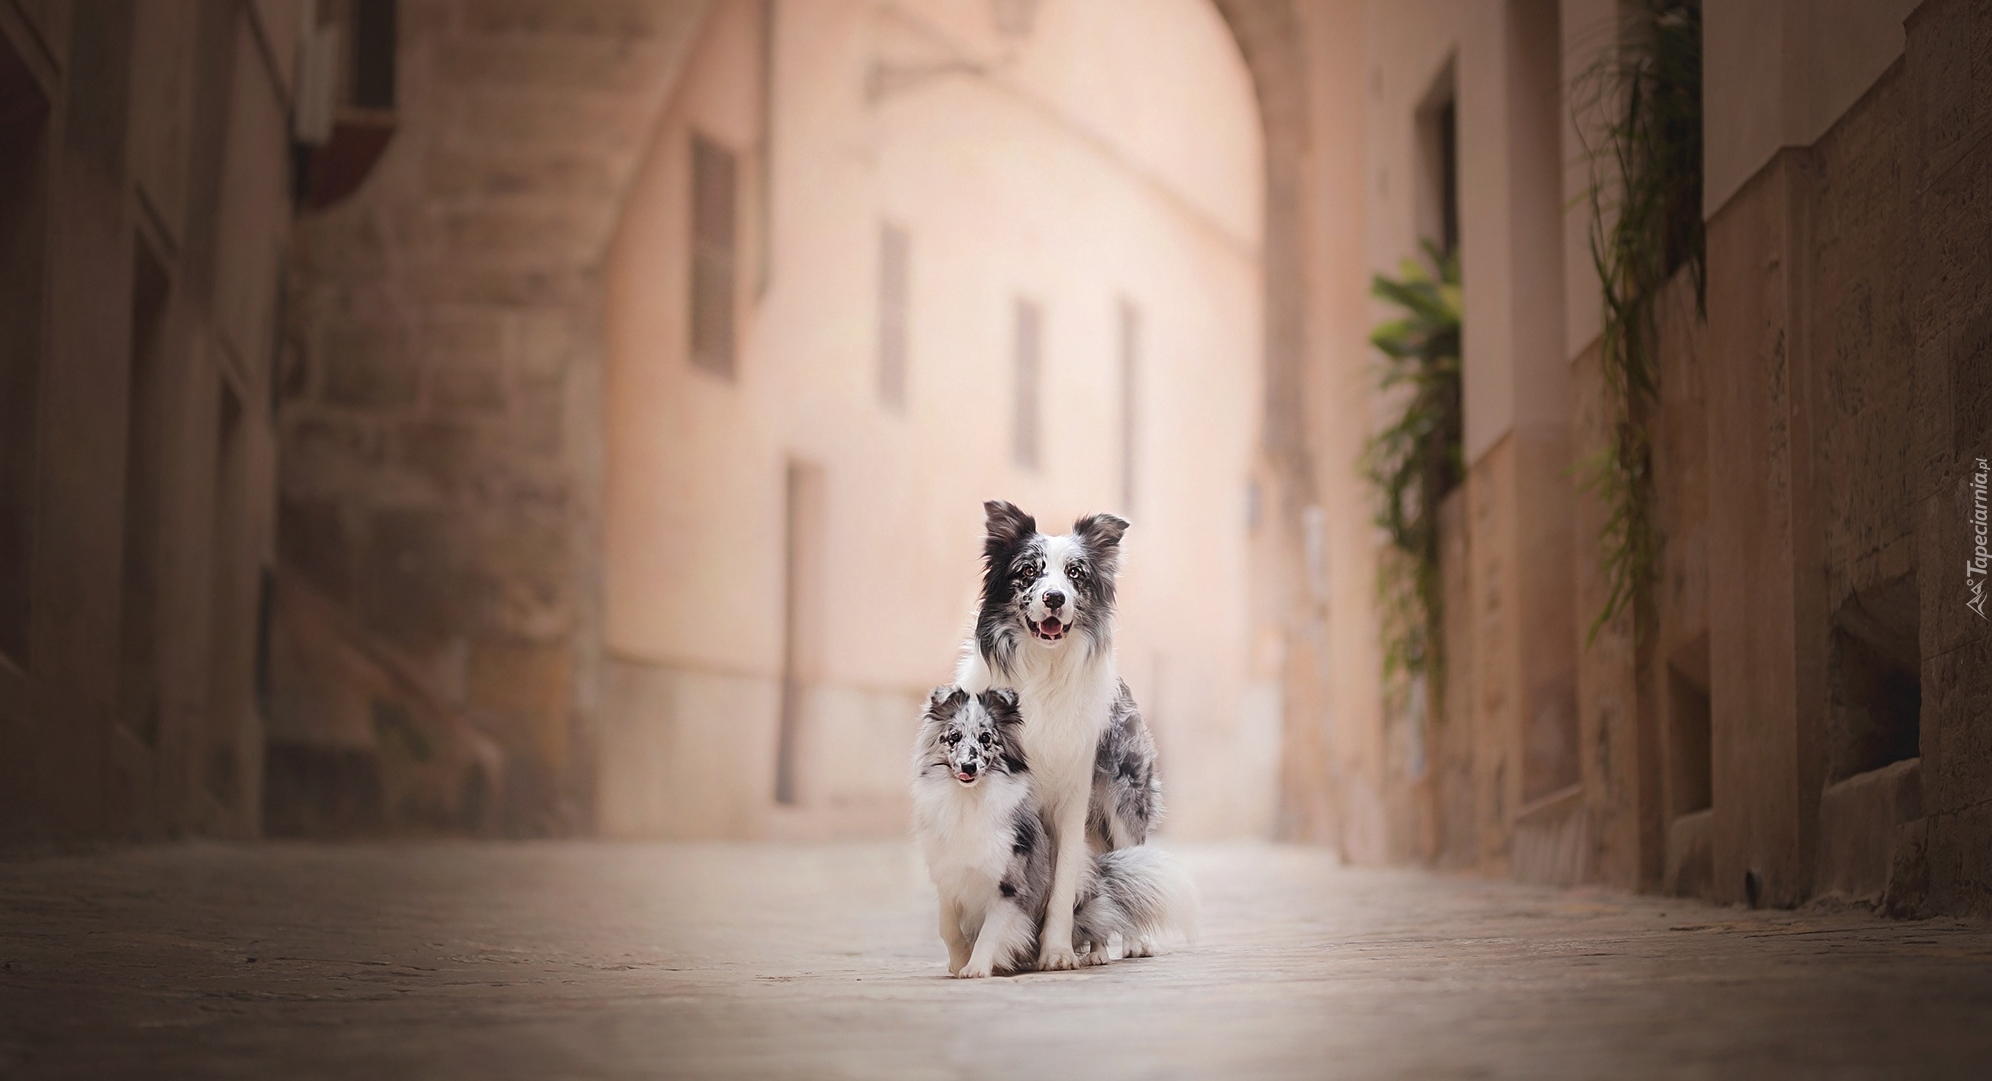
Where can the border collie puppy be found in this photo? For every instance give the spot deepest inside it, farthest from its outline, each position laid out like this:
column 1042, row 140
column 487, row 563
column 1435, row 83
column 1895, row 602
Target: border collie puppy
column 1045, row 629
column 990, row 859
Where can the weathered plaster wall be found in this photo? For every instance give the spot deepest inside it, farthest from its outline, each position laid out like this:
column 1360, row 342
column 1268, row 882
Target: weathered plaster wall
column 1034, row 170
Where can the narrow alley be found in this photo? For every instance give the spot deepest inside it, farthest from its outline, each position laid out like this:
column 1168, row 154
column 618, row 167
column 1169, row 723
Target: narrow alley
column 488, row 489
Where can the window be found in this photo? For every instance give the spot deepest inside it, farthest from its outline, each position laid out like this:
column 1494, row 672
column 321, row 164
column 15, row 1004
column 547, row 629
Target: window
column 138, row 671
column 715, row 255
column 1026, row 350
column 1689, row 718
column 24, row 116
column 1437, row 196
column 1130, row 383
column 373, row 53
column 1448, row 125
column 892, row 289
column 1874, row 667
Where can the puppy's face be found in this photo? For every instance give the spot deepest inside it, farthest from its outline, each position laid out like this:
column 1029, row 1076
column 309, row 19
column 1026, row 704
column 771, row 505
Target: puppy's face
column 972, row 736
column 1049, row 586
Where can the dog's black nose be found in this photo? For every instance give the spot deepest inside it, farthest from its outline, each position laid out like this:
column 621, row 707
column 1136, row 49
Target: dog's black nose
column 968, row 768
column 1054, row 600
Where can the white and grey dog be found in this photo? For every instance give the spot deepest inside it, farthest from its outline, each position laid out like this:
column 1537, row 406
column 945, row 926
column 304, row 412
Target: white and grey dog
column 988, row 852
column 1045, row 629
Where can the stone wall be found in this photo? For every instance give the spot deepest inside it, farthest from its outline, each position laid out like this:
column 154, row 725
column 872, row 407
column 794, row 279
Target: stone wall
column 1948, row 183
column 1803, row 674
column 440, row 425
column 1792, row 710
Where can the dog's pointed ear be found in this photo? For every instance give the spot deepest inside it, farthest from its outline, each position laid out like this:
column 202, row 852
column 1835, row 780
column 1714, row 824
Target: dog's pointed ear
column 944, row 694
column 1006, row 524
column 1003, row 704
column 1099, row 532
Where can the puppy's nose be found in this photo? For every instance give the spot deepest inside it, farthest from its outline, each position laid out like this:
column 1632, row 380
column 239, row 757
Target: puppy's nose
column 1054, row 600
column 969, row 767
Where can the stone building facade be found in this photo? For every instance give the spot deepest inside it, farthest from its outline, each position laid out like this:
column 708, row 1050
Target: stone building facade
column 437, row 616
column 1796, row 713
column 1803, row 716
column 144, row 207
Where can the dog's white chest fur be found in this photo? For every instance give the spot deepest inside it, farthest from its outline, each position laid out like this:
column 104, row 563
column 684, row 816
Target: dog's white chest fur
column 966, row 836
column 1065, row 697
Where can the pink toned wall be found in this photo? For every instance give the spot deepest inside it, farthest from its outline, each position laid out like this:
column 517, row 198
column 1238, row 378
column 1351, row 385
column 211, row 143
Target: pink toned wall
column 1111, row 154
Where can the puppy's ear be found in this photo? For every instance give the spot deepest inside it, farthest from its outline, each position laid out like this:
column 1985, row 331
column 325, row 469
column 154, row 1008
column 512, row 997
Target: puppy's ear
column 1100, row 532
column 1006, row 524
column 1001, row 702
column 945, row 695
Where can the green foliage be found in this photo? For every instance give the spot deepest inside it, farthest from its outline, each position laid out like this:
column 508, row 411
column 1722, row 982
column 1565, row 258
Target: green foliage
column 1415, row 460
column 1646, row 222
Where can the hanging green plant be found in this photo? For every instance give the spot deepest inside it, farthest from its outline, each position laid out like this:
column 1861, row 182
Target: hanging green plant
column 1415, row 460
column 1646, row 223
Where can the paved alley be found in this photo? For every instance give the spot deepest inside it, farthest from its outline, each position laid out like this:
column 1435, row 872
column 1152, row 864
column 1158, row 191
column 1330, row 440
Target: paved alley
column 765, row 961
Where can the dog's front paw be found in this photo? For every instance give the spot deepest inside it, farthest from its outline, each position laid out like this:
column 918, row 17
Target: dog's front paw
column 1140, row 947
column 973, row 970
column 1057, row 959
column 1095, row 956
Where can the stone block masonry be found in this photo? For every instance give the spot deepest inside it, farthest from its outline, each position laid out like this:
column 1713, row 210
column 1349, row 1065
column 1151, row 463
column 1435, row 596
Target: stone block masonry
column 441, row 404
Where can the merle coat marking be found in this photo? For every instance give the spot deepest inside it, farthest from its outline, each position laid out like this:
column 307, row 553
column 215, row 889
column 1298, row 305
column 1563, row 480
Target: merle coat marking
column 988, row 848
column 1045, row 628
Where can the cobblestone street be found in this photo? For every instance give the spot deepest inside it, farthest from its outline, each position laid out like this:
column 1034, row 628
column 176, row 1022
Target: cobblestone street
column 598, row 959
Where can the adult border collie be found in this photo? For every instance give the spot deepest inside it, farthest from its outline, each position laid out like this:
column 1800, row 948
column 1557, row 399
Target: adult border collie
column 1045, row 629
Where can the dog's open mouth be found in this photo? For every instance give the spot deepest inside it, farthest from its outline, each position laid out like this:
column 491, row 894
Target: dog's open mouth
column 1049, row 630
column 965, row 777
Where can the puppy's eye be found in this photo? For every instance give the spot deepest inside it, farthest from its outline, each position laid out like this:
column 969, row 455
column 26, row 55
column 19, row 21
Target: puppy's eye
column 1075, row 571
column 951, row 738
column 983, row 739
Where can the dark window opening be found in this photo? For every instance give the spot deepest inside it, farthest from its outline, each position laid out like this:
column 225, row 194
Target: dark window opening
column 1436, row 187
column 1027, row 348
column 715, row 255
column 227, row 693
column 24, row 116
column 1689, row 732
column 99, row 83
column 1448, row 123
column 138, row 621
column 1874, row 663
column 373, row 53
column 892, row 298
column 266, row 600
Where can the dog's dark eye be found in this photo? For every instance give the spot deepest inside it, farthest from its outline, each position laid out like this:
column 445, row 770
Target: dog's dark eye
column 984, row 738
column 951, row 738
column 1076, row 571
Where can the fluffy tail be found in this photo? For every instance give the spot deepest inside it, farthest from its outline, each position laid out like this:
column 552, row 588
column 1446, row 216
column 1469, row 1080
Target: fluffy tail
column 1143, row 894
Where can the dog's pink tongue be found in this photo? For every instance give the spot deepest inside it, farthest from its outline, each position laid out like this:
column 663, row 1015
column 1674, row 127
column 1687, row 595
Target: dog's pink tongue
column 1050, row 626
